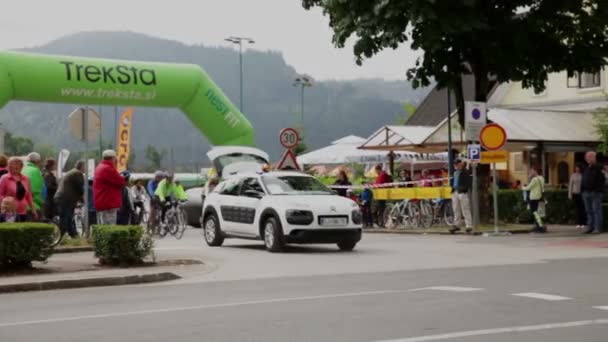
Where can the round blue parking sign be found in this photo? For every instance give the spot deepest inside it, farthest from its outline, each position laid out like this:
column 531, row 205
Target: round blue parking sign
column 476, row 114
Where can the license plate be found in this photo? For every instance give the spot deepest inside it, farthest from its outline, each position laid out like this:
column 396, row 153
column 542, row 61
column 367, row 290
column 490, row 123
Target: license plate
column 334, row 221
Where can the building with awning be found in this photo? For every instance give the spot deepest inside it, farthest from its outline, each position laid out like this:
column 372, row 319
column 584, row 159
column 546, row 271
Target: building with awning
column 551, row 130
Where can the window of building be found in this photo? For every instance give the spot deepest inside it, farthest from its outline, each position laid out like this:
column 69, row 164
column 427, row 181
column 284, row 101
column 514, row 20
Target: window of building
column 518, row 161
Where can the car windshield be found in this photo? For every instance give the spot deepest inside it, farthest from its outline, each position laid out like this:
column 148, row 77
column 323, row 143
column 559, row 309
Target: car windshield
column 295, row 185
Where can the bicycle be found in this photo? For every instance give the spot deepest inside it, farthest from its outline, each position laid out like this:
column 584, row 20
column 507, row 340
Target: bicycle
column 175, row 222
column 443, row 214
column 140, row 214
column 77, row 222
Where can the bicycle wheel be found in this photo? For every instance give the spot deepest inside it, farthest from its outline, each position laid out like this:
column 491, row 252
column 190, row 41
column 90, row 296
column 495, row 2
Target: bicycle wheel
column 172, row 225
column 406, row 215
column 426, row 214
column 391, row 216
column 182, row 220
column 57, row 234
column 414, row 214
column 448, row 213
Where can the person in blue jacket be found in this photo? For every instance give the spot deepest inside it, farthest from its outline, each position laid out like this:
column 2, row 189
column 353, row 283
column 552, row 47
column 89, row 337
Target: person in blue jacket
column 367, row 197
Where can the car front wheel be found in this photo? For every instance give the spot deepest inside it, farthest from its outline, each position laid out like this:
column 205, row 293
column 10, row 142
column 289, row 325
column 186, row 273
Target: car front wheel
column 347, row 245
column 273, row 235
column 212, row 231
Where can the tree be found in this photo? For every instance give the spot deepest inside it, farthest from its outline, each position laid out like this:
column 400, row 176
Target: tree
column 155, row 157
column 494, row 40
column 16, row 145
column 601, row 126
column 46, row 151
column 410, row 109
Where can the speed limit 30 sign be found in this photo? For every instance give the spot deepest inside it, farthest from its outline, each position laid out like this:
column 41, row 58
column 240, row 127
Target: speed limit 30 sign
column 289, row 138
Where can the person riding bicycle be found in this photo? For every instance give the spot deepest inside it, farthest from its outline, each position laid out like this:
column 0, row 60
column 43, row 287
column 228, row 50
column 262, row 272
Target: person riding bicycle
column 154, row 203
column 168, row 190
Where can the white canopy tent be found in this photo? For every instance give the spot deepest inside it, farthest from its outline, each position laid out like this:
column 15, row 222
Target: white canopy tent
column 341, row 151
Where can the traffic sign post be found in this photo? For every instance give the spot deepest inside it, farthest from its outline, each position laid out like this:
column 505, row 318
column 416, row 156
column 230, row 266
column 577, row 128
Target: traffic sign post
column 475, row 119
column 85, row 125
column 289, row 139
column 474, row 153
column 493, row 137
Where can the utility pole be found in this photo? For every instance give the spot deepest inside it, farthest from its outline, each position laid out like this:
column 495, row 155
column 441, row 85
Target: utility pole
column 302, row 82
column 239, row 41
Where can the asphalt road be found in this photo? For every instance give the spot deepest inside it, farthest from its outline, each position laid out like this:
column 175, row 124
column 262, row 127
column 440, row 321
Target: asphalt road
column 555, row 300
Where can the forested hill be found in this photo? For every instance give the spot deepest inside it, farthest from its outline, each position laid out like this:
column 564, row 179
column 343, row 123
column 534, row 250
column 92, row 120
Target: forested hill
column 332, row 109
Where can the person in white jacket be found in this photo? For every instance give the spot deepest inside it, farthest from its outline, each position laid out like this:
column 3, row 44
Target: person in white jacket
column 574, row 194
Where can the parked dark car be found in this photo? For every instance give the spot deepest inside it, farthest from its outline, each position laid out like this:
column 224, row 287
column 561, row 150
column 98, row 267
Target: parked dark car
column 194, row 206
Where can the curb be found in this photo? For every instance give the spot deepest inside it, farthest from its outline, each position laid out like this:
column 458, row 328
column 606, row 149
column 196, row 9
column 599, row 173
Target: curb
column 78, row 249
column 89, row 282
column 423, row 232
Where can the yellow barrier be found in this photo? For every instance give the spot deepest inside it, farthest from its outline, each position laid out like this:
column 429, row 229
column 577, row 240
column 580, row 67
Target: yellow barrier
column 390, row 194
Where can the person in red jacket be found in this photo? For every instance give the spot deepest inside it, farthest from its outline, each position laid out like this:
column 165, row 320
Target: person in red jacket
column 107, row 189
column 382, row 178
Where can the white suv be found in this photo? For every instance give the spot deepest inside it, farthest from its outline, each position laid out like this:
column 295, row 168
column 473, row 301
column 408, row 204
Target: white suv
column 280, row 208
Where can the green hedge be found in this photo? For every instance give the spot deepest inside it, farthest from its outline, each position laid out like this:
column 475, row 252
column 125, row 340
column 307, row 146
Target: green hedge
column 560, row 210
column 121, row 245
column 22, row 243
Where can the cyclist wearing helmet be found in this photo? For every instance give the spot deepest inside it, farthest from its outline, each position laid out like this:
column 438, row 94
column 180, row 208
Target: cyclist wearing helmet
column 167, row 189
column 154, row 202
column 153, row 184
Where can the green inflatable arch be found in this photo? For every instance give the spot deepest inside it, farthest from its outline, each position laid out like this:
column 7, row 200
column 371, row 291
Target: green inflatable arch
column 63, row 79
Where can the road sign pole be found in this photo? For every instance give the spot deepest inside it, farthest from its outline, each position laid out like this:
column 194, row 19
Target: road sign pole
column 85, row 209
column 495, row 196
column 475, row 199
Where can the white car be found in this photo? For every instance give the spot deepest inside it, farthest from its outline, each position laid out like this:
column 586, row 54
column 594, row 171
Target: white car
column 280, row 208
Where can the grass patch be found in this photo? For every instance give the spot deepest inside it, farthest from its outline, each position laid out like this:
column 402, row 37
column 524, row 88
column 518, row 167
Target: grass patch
column 75, row 242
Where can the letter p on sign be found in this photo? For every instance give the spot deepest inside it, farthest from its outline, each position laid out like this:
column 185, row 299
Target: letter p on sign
column 474, row 152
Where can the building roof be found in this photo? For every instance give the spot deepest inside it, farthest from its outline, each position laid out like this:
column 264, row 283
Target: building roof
column 434, row 108
column 388, row 136
column 350, row 139
column 545, row 126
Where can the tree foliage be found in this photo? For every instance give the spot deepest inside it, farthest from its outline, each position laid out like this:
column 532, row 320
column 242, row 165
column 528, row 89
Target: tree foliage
column 17, row 145
column 155, row 157
column 601, row 127
column 495, row 40
column 46, row 151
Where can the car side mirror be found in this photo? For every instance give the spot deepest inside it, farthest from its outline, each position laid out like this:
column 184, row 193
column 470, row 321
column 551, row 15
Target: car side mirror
column 254, row 194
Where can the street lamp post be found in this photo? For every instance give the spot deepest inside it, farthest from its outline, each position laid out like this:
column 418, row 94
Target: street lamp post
column 302, row 82
column 239, row 41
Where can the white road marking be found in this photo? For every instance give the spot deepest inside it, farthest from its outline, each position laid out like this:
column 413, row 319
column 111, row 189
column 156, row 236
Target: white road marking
column 497, row 331
column 601, row 308
column 448, row 288
column 198, row 307
column 542, row 296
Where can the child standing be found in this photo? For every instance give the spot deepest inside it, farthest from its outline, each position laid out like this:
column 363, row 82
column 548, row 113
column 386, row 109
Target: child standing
column 8, row 210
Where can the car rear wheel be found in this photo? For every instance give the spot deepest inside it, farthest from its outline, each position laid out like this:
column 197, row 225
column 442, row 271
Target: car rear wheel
column 212, row 232
column 273, row 235
column 347, row 245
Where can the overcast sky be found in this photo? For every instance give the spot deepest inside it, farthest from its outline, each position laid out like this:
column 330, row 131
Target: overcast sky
column 304, row 37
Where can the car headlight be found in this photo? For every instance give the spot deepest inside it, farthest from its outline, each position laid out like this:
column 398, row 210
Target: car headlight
column 299, row 217
column 356, row 216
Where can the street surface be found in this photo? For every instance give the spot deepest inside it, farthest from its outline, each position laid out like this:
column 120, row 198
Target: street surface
column 392, row 288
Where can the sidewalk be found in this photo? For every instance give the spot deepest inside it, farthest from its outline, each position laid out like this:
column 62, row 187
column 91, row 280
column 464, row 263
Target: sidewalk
column 77, row 270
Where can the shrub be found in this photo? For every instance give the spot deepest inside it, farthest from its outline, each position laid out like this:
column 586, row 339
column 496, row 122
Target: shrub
column 22, row 243
column 513, row 209
column 121, row 245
